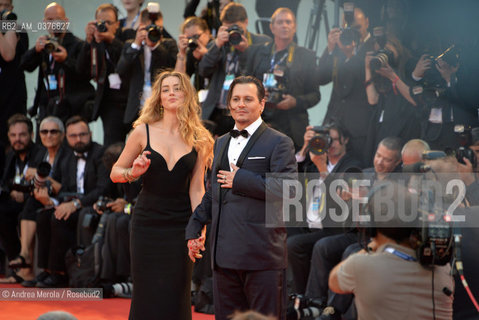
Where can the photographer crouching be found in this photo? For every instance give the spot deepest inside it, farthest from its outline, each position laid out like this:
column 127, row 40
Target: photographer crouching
column 389, row 283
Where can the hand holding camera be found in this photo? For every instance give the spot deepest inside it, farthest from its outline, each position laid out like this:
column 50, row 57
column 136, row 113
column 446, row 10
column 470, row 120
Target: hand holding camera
column 287, row 103
column 333, row 39
column 422, row 65
column 40, row 44
column 140, row 37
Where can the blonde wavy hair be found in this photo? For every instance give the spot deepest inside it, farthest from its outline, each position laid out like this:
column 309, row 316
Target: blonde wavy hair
column 189, row 115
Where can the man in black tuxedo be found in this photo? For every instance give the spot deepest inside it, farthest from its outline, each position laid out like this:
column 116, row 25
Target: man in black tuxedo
column 61, row 91
column 249, row 259
column 141, row 60
column 83, row 178
column 285, row 69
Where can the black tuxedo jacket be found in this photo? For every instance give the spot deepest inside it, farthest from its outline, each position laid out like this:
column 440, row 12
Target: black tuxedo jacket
column 95, row 179
column 131, row 68
column 239, row 236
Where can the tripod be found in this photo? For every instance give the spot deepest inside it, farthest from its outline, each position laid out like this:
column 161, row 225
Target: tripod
column 312, row 33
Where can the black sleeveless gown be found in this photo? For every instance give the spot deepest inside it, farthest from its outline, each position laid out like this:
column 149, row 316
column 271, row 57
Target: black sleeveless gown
column 160, row 267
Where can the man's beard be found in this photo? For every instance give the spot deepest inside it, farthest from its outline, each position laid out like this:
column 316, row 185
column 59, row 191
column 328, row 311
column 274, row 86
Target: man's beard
column 23, row 148
column 81, row 147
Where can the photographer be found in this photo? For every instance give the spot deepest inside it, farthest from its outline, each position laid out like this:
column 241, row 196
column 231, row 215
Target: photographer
column 46, row 162
column 222, row 63
column 330, row 159
column 97, row 59
column 15, row 183
column 12, row 79
column 394, row 109
column 61, row 91
column 192, row 42
column 143, row 58
column 402, row 287
column 285, row 69
column 83, row 178
column 435, row 89
column 343, row 65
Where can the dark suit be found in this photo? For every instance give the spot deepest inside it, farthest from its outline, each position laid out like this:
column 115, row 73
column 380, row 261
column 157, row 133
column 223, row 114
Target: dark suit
column 9, row 209
column 244, row 250
column 213, row 66
column 59, row 235
column 299, row 82
column 348, row 103
column 109, row 104
column 131, row 68
column 77, row 89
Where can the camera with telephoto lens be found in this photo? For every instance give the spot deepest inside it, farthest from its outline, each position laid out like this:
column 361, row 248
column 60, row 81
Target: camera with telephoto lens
column 102, row 203
column 39, row 181
column 320, row 142
column 51, row 45
column 276, row 94
column 193, row 42
column 8, row 15
column 432, row 76
column 383, row 56
column 154, row 32
column 101, row 26
column 235, row 34
column 304, row 307
column 349, row 33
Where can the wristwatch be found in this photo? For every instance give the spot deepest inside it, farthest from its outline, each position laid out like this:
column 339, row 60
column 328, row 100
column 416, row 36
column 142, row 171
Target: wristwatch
column 77, row 204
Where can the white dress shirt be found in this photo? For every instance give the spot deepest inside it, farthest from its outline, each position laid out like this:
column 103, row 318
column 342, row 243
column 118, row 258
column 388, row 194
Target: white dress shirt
column 237, row 144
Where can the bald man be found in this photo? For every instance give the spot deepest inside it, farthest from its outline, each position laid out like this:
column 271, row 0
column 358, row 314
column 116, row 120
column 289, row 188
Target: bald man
column 61, row 91
column 412, row 151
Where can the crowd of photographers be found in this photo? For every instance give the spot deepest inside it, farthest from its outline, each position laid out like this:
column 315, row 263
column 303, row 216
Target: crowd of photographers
column 55, row 186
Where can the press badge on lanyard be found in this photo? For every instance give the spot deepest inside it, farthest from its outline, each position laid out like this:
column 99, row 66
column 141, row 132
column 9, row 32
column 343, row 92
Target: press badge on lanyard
column 228, row 80
column 52, row 83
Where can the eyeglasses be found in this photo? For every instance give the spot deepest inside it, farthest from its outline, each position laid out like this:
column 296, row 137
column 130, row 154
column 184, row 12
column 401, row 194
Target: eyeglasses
column 51, row 131
column 76, row 135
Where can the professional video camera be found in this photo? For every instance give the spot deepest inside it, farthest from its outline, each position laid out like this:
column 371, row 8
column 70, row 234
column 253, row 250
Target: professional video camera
column 154, row 32
column 39, row 181
column 350, row 32
column 464, row 136
column 383, row 56
column 101, row 26
column 235, row 34
column 321, row 140
column 436, row 234
column 51, row 45
column 8, row 15
column 193, row 42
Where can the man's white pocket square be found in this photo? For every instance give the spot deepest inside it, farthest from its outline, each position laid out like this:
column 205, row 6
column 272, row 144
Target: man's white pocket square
column 256, row 158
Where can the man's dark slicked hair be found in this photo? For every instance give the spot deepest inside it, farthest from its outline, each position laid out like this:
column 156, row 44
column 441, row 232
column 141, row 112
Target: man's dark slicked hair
column 246, row 80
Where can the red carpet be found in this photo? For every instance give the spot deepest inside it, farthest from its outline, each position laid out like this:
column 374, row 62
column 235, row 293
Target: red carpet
column 107, row 309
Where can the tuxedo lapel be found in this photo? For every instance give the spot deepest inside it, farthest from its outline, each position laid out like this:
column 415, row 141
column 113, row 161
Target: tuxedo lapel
column 223, row 147
column 250, row 143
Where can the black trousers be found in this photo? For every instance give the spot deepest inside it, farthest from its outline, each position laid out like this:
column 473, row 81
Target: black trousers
column 327, row 253
column 9, row 211
column 55, row 237
column 116, row 248
column 300, row 249
column 263, row 291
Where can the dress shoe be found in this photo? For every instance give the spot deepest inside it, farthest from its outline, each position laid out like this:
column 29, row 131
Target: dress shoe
column 32, row 283
column 54, row 280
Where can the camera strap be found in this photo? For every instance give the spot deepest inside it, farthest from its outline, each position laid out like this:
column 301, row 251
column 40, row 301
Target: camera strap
column 94, row 63
column 289, row 54
column 400, row 254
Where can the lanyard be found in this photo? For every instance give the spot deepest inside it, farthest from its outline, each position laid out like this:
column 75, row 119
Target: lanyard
column 400, row 254
column 134, row 20
column 289, row 54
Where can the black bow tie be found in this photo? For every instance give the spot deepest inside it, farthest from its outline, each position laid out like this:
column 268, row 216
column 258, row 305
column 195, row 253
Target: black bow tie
column 80, row 156
column 236, row 133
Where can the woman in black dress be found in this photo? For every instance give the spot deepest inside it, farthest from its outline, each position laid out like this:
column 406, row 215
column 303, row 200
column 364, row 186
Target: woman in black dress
column 171, row 149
